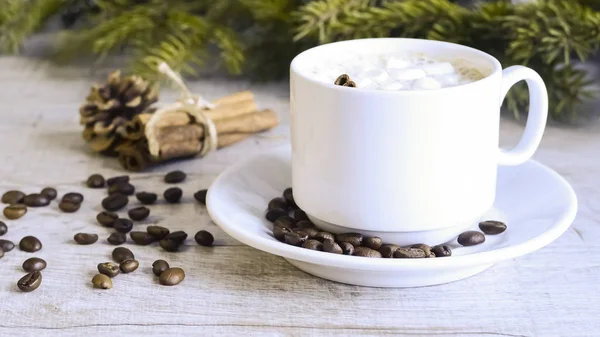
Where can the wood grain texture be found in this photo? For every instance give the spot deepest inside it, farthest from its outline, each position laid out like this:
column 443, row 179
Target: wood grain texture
column 235, row 290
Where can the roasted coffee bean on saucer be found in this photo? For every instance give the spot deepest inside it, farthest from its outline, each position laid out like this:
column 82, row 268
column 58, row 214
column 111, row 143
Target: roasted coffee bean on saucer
column 101, row 281
column 3, row 228
column 471, row 238
column 295, row 238
column 387, row 251
column 49, row 193
column 13, row 197
column 34, row 264
column 109, row 269
column 175, row 177
column 159, row 266
column 492, row 227
column 121, row 254
column 200, row 196
column 115, row 202
column 117, row 238
column 441, row 250
column 124, row 188
column 30, row 244
column 354, row 239
column 123, row 225
column 288, row 195
column 69, row 206
column 138, row 213
column 171, row 276
column 347, row 248
column 410, row 253
column 285, row 221
column 331, row 246
column 85, row 238
column 204, row 238
column 36, row 200
column 366, row 252
column 146, row 198
column 277, row 203
column 73, row 197
column 117, row 180
column 322, row 236
column 13, row 212
column 373, row 242
column 300, row 215
column 30, row 282
column 107, row 219
column 423, row 247
column 157, row 232
column 173, row 195
column 313, row 245
column 280, row 232
column 276, row 213
column 95, row 181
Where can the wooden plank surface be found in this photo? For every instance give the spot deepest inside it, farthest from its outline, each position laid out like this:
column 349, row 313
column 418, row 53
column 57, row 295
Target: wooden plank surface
column 234, row 290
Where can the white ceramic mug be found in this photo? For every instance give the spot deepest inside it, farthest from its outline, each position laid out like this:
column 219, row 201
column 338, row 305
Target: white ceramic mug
column 410, row 166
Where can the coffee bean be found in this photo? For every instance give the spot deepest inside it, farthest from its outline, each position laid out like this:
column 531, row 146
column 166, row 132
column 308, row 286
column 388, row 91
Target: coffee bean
column 30, row 244
column 36, row 200
column 204, row 238
column 6, row 245
column 304, row 224
column 109, row 269
column 322, row 236
column 373, row 243
column 34, row 264
column 142, row 238
column 277, row 203
column 409, row 253
column 471, row 238
column 331, row 246
column 441, row 250
column 177, row 236
column 73, row 197
column 423, row 247
column 101, row 281
column 171, row 276
column 138, row 213
column 366, row 252
column 3, row 228
column 347, row 248
column 173, row 195
column 300, row 215
column 125, row 188
column 492, row 227
column 285, row 221
column 85, row 238
column 288, row 195
column 107, row 219
column 157, row 232
column 387, row 251
column 159, row 266
column 95, row 181
column 13, row 197
column 16, row 211
column 169, row 245
column 201, row 196
column 117, row 238
column 30, row 282
column 115, row 202
column 313, row 244
column 123, row 225
column 121, row 254
column 117, row 180
column 69, row 206
column 295, row 239
column 275, row 214
column 146, row 198
column 311, row 232
column 1, row 253
column 355, row 239
column 129, row 266
column 49, row 193
column 280, row 232
column 175, row 177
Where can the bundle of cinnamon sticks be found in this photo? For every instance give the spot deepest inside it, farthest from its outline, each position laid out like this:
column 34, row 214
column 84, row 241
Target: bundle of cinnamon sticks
column 177, row 134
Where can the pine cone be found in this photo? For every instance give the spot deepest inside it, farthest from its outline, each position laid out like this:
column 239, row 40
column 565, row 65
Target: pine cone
column 109, row 107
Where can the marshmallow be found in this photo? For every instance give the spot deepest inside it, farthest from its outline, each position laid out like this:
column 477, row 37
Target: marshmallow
column 377, row 75
column 427, row 83
column 409, row 74
column 397, row 63
column 393, row 86
column 444, row 68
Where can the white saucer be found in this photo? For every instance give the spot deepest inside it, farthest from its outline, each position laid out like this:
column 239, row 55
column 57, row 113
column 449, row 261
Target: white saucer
column 536, row 203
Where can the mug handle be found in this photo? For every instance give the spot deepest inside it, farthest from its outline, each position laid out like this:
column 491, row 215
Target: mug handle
column 536, row 119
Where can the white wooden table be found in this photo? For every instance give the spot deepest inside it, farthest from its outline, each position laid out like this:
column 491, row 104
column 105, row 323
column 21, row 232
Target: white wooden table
column 233, row 289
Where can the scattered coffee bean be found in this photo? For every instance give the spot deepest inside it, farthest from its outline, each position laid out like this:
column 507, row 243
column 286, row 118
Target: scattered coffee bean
column 30, row 244
column 366, row 252
column 173, row 195
column 295, row 239
column 68, row 206
column 171, row 276
column 159, row 266
column 107, row 219
column 311, row 232
column 304, row 224
column 423, row 247
column 373, row 242
column 157, row 232
column 30, row 282
column 16, row 211
column 300, row 215
column 138, row 213
column 201, row 196
column 95, row 181
column 34, row 264
column 1, row 253
column 123, row 225
column 275, row 214
column 13, row 197
column 36, row 200
column 101, row 281
column 204, row 238
column 175, row 177
column 277, row 203
column 177, row 236
column 288, row 195
column 109, row 269
column 142, row 238
column 117, row 238
column 73, row 197
column 6, row 245
column 441, row 250
column 284, row 221
column 331, row 246
column 146, row 198
column 3, row 228
column 129, row 266
column 280, row 232
column 322, row 236
column 387, row 251
column 347, row 248
column 125, row 188
column 169, row 245
column 85, row 238
column 492, row 227
column 49, row 193
column 409, row 253
column 117, row 180
column 471, row 238
column 355, row 239
column 115, row 202
column 121, row 254
column 313, row 244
